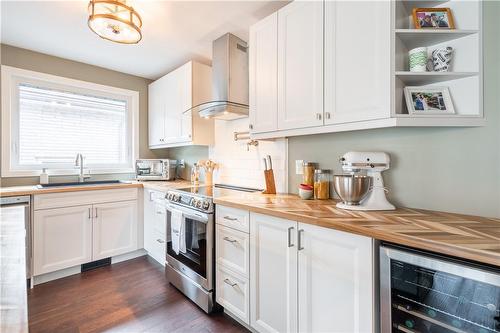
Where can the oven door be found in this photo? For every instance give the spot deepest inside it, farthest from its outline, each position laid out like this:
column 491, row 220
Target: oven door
column 197, row 262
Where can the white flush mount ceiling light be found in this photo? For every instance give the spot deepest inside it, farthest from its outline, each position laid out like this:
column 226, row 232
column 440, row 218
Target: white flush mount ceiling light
column 115, row 21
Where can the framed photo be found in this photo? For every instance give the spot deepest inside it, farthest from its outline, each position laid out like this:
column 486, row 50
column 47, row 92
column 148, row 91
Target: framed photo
column 433, row 18
column 428, row 100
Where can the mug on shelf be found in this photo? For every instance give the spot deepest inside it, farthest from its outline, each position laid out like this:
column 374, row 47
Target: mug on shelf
column 418, row 59
column 441, row 59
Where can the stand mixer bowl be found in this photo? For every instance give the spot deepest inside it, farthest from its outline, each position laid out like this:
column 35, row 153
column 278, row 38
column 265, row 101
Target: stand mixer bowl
column 352, row 188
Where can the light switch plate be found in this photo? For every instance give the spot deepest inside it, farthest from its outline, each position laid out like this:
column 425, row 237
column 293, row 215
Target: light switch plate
column 299, row 167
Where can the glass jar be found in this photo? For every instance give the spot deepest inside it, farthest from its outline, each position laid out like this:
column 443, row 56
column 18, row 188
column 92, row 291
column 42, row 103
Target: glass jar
column 322, row 178
column 195, row 174
column 308, row 173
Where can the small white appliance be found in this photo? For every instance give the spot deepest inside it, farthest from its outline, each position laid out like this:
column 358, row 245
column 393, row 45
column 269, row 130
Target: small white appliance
column 155, row 169
column 373, row 163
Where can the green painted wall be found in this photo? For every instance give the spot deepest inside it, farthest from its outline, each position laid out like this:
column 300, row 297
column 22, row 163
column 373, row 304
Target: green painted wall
column 448, row 169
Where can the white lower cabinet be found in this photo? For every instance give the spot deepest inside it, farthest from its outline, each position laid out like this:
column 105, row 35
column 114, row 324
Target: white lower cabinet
column 62, row 237
column 67, row 235
column 115, row 229
column 273, row 274
column 305, row 278
column 155, row 225
column 335, row 281
column 233, row 293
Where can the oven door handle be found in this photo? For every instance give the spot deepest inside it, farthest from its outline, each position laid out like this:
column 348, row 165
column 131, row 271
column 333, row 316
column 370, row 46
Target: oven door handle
column 193, row 216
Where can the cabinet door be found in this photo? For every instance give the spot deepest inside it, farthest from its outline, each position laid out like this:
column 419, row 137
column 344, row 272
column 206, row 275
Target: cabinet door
column 149, row 216
column 62, row 238
column 273, row 274
column 335, row 281
column 264, row 75
column 357, row 60
column 115, row 229
column 300, row 65
column 156, row 113
column 178, row 120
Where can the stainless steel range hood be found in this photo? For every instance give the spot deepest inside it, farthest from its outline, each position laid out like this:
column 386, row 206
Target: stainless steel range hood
column 229, row 80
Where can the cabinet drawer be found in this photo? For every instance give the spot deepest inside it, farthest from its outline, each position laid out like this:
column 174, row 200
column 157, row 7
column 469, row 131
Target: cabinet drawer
column 233, row 293
column 80, row 198
column 158, row 248
column 233, row 218
column 160, row 219
column 232, row 249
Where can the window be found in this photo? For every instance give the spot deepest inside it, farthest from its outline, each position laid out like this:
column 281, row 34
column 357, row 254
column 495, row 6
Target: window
column 49, row 120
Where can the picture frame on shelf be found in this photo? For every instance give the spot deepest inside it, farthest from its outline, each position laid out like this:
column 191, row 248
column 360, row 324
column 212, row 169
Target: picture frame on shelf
column 428, row 101
column 433, row 18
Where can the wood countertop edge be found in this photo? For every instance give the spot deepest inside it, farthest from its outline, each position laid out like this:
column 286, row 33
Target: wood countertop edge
column 405, row 240
column 76, row 188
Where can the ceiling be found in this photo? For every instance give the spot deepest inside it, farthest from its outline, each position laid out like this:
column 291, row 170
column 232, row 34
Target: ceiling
column 173, row 31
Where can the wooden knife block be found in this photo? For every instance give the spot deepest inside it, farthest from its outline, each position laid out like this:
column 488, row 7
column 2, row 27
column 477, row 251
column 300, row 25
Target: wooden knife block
column 270, row 184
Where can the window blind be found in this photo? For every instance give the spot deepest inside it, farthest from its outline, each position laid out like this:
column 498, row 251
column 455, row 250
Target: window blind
column 56, row 125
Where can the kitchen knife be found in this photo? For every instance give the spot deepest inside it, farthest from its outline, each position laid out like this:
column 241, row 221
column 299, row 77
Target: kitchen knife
column 265, row 164
column 269, row 162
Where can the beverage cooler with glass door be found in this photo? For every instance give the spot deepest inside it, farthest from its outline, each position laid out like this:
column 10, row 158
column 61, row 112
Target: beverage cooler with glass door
column 426, row 293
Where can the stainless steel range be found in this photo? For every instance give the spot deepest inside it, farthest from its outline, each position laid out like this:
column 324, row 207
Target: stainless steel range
column 190, row 265
column 190, row 243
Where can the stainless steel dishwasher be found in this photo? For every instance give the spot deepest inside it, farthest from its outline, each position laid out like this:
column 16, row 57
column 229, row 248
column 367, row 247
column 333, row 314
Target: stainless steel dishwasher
column 16, row 212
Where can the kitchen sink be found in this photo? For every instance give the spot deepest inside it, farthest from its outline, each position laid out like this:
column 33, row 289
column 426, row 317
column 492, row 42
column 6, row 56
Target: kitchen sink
column 95, row 182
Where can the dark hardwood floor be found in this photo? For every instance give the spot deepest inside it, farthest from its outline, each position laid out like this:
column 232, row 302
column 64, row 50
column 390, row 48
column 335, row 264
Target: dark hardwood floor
column 131, row 296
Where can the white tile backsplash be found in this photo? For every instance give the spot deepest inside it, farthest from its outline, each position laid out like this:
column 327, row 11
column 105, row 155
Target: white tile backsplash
column 237, row 166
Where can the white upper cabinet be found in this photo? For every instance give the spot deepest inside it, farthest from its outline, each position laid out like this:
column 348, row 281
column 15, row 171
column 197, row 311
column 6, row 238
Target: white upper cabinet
column 357, row 61
column 335, row 281
column 171, row 123
column 264, row 75
column 300, row 65
column 343, row 66
column 273, row 274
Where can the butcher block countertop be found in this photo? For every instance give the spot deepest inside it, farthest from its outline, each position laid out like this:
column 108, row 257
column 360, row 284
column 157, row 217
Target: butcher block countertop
column 463, row 236
column 34, row 189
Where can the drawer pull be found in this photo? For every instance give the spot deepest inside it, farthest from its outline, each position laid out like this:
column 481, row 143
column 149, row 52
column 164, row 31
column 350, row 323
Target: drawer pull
column 290, row 244
column 229, row 218
column 159, row 212
column 232, row 284
column 161, row 241
column 227, row 239
column 301, row 232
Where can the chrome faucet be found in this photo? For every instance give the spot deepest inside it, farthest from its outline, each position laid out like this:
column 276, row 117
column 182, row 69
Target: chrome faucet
column 79, row 163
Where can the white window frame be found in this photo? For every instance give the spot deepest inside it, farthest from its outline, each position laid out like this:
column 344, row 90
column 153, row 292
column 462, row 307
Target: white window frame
column 12, row 76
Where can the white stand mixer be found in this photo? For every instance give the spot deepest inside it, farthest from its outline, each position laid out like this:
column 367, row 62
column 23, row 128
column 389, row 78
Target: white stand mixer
column 373, row 163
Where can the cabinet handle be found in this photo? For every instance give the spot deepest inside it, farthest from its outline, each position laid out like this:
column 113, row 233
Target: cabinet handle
column 290, row 236
column 328, row 115
column 232, row 284
column 227, row 239
column 89, row 213
column 161, row 241
column 250, row 126
column 229, row 218
column 318, row 116
column 159, row 212
column 96, row 213
column 300, row 247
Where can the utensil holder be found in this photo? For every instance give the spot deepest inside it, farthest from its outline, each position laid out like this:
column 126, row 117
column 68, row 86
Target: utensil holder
column 270, row 184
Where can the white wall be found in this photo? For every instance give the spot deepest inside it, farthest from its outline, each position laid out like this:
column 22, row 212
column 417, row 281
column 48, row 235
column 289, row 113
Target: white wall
column 237, row 166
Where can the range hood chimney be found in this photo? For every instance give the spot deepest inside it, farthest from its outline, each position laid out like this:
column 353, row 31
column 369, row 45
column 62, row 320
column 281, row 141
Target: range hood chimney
column 229, row 80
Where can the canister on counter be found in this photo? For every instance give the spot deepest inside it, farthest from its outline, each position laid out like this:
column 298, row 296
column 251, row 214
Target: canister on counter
column 308, row 173
column 322, row 178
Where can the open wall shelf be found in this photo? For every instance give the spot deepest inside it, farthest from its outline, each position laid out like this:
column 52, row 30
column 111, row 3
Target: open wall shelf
column 464, row 80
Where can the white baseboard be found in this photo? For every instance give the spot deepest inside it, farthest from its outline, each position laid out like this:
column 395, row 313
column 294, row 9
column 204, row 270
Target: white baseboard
column 128, row 256
column 239, row 321
column 77, row 269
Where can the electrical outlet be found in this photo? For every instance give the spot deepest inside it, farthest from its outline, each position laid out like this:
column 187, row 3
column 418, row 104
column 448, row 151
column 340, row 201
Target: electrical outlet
column 299, row 167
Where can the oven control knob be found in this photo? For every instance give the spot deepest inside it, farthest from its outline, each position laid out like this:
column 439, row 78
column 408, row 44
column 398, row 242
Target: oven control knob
column 175, row 197
column 193, row 202
column 199, row 203
column 169, row 196
column 206, row 205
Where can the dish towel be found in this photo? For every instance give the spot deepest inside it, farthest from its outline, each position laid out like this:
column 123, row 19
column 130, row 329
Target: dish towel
column 177, row 231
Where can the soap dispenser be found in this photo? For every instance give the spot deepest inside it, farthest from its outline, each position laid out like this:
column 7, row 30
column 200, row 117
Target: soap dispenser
column 44, row 177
